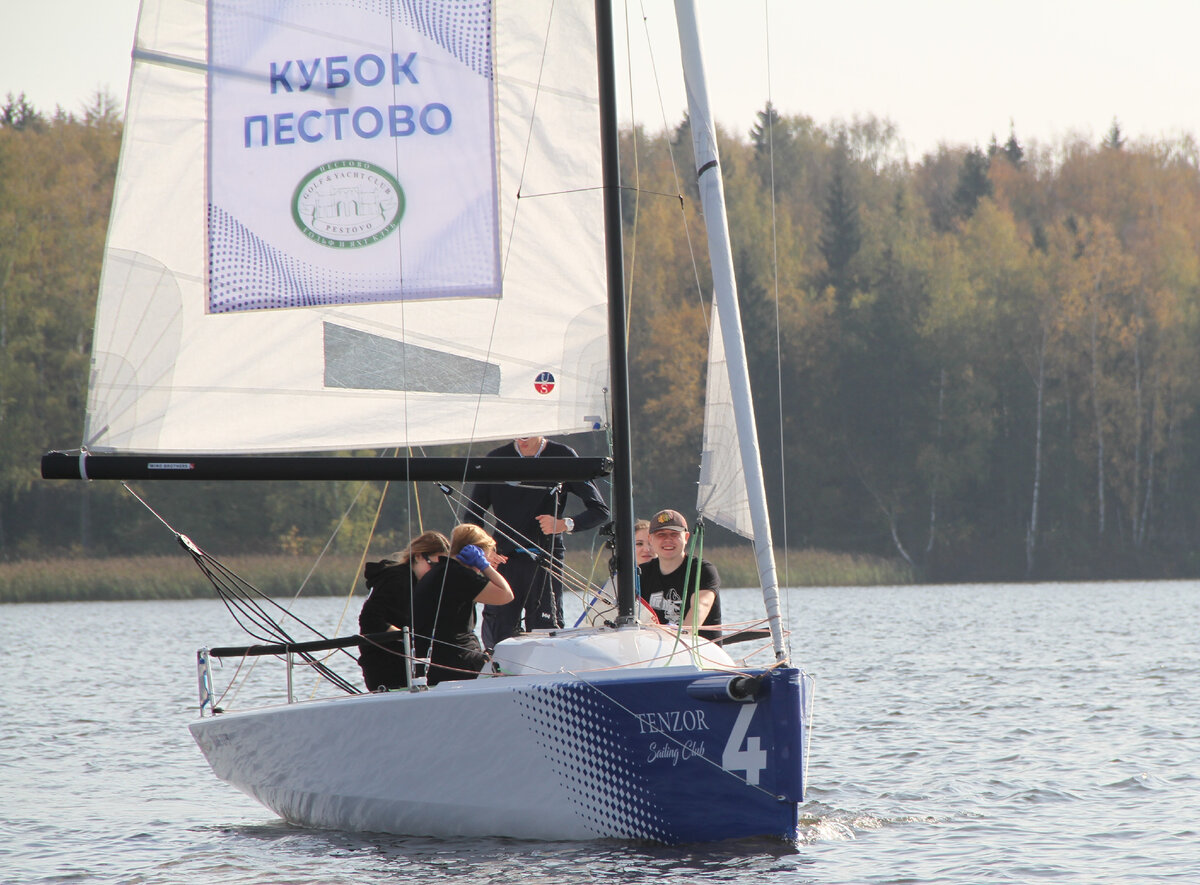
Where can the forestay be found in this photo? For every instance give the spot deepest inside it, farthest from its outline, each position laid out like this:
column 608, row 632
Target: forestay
column 324, row 240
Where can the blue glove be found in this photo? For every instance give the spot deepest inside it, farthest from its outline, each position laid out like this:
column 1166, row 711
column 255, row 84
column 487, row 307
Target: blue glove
column 474, row 557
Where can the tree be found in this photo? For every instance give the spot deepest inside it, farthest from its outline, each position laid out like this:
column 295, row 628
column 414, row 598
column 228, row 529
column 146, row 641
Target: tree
column 1114, row 140
column 841, row 233
column 56, row 179
column 973, row 183
column 1012, row 150
column 762, row 133
column 18, row 114
column 935, row 180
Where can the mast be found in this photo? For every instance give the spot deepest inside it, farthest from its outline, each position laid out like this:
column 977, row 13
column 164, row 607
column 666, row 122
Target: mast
column 712, row 196
column 622, row 478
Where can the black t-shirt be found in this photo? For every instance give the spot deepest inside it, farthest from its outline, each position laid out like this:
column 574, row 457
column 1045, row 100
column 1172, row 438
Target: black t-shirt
column 389, row 605
column 444, row 608
column 665, row 593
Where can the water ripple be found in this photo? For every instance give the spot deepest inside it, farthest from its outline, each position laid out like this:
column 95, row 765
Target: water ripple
column 1028, row 733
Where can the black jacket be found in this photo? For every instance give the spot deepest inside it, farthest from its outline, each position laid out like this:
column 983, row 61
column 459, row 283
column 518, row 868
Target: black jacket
column 390, row 603
column 517, row 506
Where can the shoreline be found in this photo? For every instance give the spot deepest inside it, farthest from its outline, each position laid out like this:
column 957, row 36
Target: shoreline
column 78, row 579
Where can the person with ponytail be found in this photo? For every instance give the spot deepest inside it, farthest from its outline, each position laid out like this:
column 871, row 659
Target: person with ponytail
column 444, row 604
column 388, row 608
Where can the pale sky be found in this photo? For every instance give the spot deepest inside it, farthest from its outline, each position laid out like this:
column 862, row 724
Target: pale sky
column 941, row 70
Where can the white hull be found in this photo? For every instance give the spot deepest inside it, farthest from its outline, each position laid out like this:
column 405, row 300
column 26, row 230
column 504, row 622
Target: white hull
column 625, row 753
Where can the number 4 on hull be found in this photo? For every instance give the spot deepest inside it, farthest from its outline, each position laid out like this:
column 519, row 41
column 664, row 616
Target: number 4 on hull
column 752, row 759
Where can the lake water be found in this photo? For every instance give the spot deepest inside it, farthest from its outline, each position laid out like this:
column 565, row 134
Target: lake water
column 962, row 734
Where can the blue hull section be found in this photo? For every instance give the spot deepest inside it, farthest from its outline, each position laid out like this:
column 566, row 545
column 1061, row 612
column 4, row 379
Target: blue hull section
column 646, row 759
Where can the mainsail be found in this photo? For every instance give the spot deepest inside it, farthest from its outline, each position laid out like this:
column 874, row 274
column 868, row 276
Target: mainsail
column 347, row 225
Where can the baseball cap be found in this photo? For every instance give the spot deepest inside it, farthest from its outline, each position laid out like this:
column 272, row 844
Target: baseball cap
column 665, row 520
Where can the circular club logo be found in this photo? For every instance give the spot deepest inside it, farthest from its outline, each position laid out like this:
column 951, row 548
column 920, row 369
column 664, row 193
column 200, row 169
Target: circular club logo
column 347, row 204
column 543, row 383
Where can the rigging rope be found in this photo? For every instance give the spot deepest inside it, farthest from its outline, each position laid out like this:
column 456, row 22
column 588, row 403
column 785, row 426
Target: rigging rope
column 246, row 603
column 243, row 600
column 572, row 580
column 362, row 560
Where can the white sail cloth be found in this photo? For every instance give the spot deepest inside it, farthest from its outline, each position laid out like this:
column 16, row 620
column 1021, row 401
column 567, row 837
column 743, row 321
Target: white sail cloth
column 296, row 259
column 722, row 496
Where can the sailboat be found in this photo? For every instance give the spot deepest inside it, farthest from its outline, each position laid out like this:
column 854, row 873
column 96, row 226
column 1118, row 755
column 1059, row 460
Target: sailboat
column 375, row 224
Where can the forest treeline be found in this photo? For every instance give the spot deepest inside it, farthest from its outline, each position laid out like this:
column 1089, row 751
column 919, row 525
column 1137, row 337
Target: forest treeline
column 983, row 362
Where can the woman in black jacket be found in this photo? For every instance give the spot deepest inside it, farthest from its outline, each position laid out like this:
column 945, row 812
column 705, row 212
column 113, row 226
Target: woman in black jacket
column 389, row 608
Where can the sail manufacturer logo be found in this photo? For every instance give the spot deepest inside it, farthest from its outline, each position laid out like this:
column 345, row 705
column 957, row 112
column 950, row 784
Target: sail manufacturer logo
column 347, row 204
column 543, row 383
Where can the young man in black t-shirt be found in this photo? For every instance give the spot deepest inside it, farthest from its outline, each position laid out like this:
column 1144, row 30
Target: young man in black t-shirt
column 663, row 578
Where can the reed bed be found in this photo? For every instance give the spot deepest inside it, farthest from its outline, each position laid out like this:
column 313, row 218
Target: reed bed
column 810, row 568
column 279, row 575
column 166, row 577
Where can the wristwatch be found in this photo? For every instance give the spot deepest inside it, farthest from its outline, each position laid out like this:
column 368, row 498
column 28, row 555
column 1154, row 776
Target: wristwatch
column 569, row 523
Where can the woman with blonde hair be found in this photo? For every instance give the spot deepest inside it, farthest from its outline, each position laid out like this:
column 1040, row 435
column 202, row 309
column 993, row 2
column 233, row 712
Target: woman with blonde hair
column 444, row 604
column 603, row 607
column 389, row 607
column 641, row 542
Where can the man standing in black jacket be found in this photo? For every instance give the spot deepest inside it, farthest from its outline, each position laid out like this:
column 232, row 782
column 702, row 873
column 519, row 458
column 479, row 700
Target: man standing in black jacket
column 531, row 525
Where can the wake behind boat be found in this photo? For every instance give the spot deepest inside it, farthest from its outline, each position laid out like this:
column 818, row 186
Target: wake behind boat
column 361, row 226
